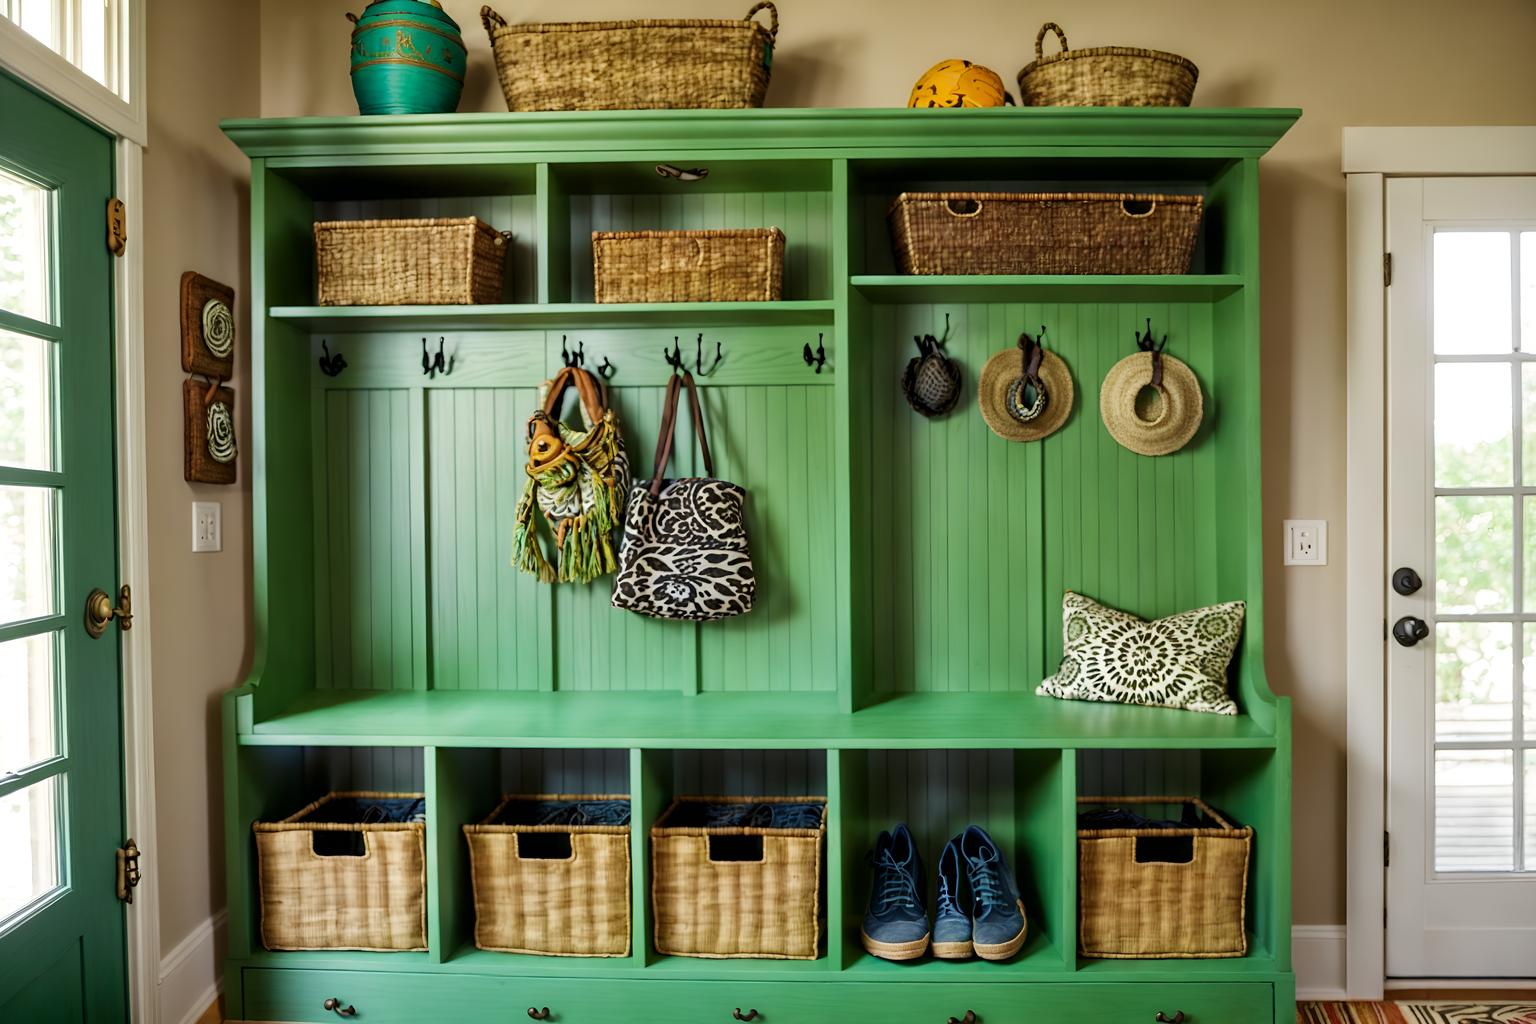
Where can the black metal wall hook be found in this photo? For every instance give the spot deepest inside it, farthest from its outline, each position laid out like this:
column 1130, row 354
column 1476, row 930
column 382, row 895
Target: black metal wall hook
column 576, row 358
column 674, row 358
column 432, row 365
column 606, row 370
column 698, row 358
column 817, row 359
column 1146, row 344
column 331, row 365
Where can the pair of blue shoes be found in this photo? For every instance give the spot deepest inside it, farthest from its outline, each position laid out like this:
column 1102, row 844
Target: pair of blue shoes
column 978, row 909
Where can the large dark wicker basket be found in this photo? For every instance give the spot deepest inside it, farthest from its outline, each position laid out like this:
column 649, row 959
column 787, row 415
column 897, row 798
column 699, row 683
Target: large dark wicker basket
column 1044, row 233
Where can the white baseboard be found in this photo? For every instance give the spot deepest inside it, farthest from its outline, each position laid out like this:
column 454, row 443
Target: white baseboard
column 192, row 974
column 1319, row 956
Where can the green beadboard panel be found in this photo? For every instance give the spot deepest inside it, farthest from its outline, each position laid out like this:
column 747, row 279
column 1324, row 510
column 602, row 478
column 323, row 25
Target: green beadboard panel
column 937, row 793
column 517, row 214
column 597, row 647
column 1138, row 772
column 367, row 539
column 388, row 769
column 777, row 443
column 490, row 623
column 802, row 216
column 749, row 772
column 564, row 771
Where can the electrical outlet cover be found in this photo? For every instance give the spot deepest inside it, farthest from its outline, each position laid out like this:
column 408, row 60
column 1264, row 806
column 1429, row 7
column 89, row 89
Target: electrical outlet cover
column 1306, row 542
column 207, row 526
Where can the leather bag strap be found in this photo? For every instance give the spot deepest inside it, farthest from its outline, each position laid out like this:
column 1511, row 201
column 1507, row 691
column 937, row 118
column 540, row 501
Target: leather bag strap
column 669, row 424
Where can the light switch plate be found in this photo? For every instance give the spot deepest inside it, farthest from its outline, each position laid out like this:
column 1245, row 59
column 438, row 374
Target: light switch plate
column 1306, row 542
column 207, row 526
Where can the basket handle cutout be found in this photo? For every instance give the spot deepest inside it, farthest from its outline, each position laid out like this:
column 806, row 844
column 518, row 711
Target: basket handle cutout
column 1137, row 207
column 773, row 17
column 1165, row 849
column 335, row 843
column 736, row 849
column 544, row 846
column 1049, row 26
column 965, row 208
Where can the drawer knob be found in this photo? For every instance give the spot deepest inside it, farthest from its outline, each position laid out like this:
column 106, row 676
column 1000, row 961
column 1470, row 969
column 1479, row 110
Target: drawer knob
column 334, row 1005
column 1177, row 1018
column 538, row 1014
column 969, row 1018
column 749, row 1015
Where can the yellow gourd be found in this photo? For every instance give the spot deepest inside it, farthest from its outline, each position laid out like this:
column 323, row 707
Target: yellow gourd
column 959, row 83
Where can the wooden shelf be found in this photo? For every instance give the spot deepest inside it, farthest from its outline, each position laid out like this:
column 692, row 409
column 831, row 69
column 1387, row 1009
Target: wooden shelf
column 479, row 718
column 563, row 314
column 898, row 288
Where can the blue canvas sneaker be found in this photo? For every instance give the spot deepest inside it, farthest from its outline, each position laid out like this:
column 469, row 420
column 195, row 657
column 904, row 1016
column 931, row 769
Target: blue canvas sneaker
column 997, row 912
column 951, row 913
column 896, row 924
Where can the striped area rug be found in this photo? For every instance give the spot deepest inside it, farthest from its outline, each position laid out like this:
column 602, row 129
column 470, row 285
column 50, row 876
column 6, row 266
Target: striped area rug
column 1416, row 1013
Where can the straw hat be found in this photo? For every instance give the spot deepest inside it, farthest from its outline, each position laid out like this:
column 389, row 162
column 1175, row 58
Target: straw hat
column 1006, row 404
column 1161, row 426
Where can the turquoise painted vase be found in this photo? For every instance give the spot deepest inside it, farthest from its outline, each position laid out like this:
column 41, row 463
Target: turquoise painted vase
column 407, row 58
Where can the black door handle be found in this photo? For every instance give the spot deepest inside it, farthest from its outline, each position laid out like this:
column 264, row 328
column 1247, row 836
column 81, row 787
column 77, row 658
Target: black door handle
column 1409, row 630
column 1405, row 581
column 334, row 1005
column 1177, row 1018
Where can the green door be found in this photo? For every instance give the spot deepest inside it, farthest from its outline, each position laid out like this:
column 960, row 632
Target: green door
column 62, row 947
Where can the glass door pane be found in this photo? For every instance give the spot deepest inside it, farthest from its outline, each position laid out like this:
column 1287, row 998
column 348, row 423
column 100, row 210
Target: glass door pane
column 30, row 827
column 26, row 262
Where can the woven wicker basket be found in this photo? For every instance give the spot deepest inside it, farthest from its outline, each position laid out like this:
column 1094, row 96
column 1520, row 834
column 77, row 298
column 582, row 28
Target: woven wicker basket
column 685, row 64
column 737, row 265
column 436, row 261
column 576, row 905
column 1161, row 910
column 1105, row 76
column 1044, row 233
column 375, row 901
column 768, row 907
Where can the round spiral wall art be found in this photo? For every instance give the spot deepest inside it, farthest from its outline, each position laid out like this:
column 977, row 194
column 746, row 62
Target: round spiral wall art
column 220, row 431
column 218, row 328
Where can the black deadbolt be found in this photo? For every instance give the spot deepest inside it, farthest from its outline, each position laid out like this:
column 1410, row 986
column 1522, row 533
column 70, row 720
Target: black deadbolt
column 1409, row 630
column 1405, row 581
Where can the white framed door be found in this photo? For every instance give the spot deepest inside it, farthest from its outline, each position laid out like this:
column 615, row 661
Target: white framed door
column 1461, row 516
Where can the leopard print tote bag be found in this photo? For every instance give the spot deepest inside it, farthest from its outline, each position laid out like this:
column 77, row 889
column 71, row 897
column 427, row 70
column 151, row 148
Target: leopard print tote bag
column 684, row 553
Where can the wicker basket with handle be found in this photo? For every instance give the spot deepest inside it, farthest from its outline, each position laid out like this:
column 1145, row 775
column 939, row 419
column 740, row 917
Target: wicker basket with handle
column 1189, row 904
column 372, row 898
column 1044, row 232
column 692, row 63
column 737, row 890
column 1105, row 76
column 732, row 265
column 432, row 261
column 568, row 902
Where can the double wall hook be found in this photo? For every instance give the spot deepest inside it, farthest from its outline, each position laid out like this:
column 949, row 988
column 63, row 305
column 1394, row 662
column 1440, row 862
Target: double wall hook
column 606, row 370
column 331, row 364
column 1145, row 343
column 576, row 358
column 698, row 358
column 432, row 365
column 674, row 358
column 817, row 359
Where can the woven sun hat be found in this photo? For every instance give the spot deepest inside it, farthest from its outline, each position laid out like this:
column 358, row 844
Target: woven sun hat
column 1152, row 424
column 1016, row 407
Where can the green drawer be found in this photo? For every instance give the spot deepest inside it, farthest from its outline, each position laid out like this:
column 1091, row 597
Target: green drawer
column 299, row 996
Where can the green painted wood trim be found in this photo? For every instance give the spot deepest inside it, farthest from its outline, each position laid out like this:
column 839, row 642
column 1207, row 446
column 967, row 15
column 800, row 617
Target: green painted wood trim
column 32, row 627
column 897, row 288
column 19, row 324
column 614, row 135
column 650, row 790
column 575, row 315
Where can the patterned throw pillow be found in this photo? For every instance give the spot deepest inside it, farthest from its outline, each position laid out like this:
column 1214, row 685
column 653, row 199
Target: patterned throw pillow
column 1177, row 662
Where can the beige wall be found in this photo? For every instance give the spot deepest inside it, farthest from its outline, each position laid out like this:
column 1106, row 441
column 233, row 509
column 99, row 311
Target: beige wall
column 194, row 211
column 1344, row 63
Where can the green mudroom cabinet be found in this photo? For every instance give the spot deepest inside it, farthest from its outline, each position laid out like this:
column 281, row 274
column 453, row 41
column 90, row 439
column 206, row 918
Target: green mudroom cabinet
column 911, row 571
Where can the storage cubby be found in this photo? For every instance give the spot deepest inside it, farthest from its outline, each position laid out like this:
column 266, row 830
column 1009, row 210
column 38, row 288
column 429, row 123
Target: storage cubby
column 910, row 572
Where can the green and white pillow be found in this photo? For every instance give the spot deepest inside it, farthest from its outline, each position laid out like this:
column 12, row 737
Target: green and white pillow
column 1177, row 662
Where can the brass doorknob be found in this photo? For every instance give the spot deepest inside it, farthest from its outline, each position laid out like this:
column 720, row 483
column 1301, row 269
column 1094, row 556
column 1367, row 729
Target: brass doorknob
column 99, row 611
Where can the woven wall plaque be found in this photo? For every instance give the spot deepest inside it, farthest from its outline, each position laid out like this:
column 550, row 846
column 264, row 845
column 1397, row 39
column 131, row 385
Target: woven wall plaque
column 207, row 327
column 209, row 441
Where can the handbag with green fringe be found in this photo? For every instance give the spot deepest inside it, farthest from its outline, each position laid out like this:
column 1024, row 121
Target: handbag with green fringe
column 578, row 479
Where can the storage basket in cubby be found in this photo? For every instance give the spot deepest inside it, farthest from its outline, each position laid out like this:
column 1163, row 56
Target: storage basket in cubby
column 349, row 871
column 732, row 265
column 551, row 876
column 427, row 262
column 739, row 877
column 1044, row 232
column 1175, row 892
